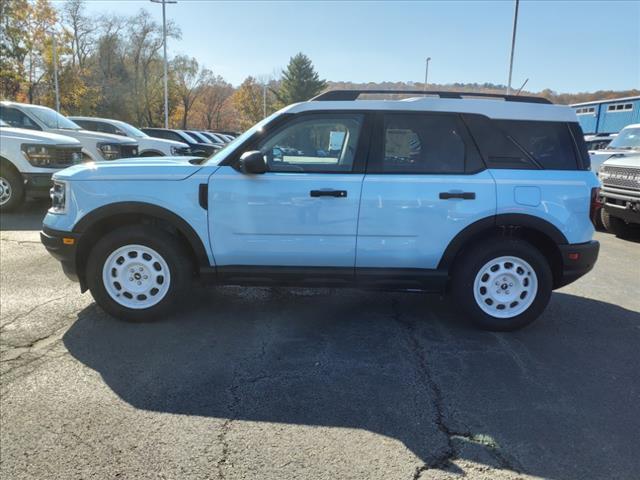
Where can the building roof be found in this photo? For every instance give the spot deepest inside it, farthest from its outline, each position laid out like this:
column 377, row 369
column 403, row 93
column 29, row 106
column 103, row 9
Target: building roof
column 610, row 100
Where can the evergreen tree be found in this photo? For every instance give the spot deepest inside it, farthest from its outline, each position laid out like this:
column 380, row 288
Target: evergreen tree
column 300, row 81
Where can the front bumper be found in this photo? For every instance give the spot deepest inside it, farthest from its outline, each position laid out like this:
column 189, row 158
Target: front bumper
column 577, row 260
column 62, row 246
column 37, row 184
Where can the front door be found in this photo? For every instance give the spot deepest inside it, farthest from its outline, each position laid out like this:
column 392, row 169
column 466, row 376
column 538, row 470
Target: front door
column 303, row 212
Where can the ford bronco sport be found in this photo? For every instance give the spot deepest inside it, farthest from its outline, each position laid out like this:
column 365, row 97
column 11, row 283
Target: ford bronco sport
column 487, row 197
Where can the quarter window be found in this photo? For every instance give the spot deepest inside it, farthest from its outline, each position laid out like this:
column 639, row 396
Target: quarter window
column 315, row 143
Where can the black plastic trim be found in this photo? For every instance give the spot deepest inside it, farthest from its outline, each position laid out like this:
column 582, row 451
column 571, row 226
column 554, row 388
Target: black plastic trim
column 66, row 254
column 110, row 210
column 350, row 95
column 467, row 234
column 428, row 280
column 574, row 269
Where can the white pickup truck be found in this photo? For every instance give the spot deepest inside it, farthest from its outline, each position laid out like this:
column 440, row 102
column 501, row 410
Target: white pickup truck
column 27, row 161
column 95, row 146
column 148, row 146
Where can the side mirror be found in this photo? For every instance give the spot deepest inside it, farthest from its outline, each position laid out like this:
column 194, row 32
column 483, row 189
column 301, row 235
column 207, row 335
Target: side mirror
column 252, row 162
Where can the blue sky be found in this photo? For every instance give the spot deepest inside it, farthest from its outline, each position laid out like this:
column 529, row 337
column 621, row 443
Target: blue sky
column 566, row 46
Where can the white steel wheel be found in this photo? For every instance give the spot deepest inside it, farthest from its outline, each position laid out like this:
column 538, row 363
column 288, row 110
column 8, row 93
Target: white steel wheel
column 505, row 287
column 136, row 276
column 5, row 191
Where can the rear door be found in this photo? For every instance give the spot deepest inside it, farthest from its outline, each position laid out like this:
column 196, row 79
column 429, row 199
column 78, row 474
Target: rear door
column 303, row 212
column 425, row 182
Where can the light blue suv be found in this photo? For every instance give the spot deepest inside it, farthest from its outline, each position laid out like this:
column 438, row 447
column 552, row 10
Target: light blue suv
column 486, row 197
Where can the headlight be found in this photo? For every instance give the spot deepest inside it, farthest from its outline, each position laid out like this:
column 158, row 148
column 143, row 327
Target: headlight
column 180, row 150
column 58, row 194
column 38, row 155
column 109, row 151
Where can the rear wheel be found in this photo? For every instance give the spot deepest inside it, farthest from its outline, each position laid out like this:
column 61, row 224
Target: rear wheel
column 616, row 225
column 11, row 189
column 503, row 284
column 138, row 273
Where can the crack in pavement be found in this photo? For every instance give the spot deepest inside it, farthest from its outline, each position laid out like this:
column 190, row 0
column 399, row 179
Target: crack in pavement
column 443, row 461
column 20, row 316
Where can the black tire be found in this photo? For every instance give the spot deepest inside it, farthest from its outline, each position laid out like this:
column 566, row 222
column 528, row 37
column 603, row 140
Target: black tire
column 616, row 225
column 597, row 220
column 167, row 246
column 468, row 266
column 11, row 182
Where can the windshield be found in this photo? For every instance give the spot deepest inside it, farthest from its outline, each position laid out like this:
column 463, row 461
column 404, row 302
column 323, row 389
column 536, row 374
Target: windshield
column 627, row 139
column 51, row 118
column 130, row 130
column 230, row 147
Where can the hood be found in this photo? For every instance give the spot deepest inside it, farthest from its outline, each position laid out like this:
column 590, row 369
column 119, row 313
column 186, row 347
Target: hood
column 162, row 141
column 146, row 168
column 628, row 160
column 32, row 136
column 95, row 136
column 599, row 156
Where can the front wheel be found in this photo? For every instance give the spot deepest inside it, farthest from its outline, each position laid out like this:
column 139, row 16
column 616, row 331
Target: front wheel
column 502, row 285
column 617, row 226
column 11, row 189
column 138, row 273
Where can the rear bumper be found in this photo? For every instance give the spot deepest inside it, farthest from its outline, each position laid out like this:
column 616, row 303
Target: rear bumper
column 577, row 260
column 62, row 246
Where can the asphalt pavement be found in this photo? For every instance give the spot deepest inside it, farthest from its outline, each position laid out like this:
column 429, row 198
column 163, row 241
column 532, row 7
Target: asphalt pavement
column 275, row 383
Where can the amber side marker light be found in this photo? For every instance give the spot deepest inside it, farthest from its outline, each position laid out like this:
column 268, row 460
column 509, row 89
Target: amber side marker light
column 574, row 256
column 68, row 241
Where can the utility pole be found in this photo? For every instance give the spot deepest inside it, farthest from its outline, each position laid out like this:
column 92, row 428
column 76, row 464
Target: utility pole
column 164, row 43
column 55, row 70
column 426, row 73
column 513, row 45
column 264, row 100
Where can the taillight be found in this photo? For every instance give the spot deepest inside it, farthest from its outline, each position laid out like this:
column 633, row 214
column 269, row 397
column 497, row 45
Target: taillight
column 596, row 203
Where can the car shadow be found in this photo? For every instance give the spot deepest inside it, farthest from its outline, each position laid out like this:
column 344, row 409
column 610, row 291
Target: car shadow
column 548, row 400
column 28, row 216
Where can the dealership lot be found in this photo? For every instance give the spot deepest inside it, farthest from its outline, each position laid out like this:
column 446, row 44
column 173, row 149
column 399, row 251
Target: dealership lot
column 297, row 383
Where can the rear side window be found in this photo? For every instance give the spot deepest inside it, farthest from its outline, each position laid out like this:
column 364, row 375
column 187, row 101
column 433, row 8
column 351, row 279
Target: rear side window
column 423, row 143
column 520, row 144
column 549, row 143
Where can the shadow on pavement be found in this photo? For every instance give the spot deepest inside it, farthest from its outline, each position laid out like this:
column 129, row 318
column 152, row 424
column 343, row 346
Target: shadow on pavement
column 550, row 400
column 28, row 217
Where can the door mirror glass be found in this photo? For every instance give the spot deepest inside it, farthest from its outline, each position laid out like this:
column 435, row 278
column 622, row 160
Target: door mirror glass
column 252, row 163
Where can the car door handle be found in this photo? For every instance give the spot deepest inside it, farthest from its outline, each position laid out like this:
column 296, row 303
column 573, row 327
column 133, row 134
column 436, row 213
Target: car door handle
column 462, row 195
column 328, row 193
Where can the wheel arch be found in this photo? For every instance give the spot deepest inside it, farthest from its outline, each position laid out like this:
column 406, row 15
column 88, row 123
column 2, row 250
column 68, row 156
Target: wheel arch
column 5, row 162
column 542, row 234
column 106, row 218
column 151, row 153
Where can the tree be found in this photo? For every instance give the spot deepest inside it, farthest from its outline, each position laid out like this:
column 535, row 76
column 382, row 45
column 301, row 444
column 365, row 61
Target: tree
column 81, row 30
column 13, row 46
column 300, row 81
column 188, row 77
column 248, row 102
column 213, row 100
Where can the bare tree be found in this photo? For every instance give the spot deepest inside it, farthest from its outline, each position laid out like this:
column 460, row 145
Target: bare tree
column 188, row 78
column 82, row 37
column 216, row 93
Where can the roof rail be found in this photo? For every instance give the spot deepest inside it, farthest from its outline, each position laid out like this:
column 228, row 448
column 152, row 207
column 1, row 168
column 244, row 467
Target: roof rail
column 348, row 95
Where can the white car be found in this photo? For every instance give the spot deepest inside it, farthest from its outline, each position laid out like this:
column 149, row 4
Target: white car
column 95, row 146
column 27, row 161
column 148, row 146
column 625, row 143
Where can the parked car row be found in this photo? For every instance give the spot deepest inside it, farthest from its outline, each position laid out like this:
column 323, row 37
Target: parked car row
column 37, row 141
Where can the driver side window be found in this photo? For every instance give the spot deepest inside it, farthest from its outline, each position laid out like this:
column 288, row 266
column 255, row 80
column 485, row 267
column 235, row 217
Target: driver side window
column 16, row 118
column 317, row 143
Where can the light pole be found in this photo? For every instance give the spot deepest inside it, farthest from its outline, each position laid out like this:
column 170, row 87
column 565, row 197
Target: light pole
column 55, row 70
column 164, row 43
column 426, row 73
column 513, row 45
